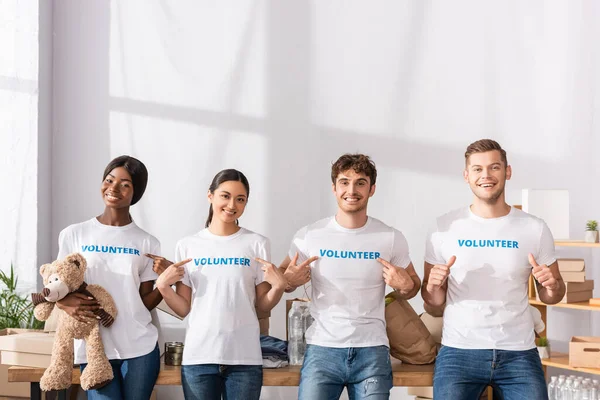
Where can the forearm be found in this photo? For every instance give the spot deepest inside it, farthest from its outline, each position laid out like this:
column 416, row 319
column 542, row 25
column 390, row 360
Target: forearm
column 408, row 293
column 435, row 298
column 179, row 304
column 152, row 299
column 268, row 300
column 552, row 296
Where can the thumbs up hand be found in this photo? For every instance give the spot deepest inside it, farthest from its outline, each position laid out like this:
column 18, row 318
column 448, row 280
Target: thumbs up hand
column 439, row 274
column 543, row 274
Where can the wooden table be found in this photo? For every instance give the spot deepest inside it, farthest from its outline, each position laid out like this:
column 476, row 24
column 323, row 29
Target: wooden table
column 404, row 375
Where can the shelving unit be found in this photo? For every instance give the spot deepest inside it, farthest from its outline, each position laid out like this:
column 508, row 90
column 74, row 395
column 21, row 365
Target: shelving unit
column 561, row 360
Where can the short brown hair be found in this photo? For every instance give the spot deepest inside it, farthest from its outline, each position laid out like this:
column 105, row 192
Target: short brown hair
column 360, row 163
column 485, row 145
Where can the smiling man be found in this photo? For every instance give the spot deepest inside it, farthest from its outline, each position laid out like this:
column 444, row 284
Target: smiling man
column 356, row 256
column 477, row 264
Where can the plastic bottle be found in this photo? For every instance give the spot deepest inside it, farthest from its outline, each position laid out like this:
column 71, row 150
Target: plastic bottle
column 295, row 335
column 307, row 318
column 594, row 390
column 552, row 388
column 567, row 393
column 576, row 392
column 559, row 387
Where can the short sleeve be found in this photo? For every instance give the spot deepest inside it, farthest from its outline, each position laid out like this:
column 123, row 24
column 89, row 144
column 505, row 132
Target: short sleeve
column 264, row 252
column 546, row 254
column 400, row 254
column 179, row 256
column 65, row 243
column 299, row 245
column 148, row 273
column 433, row 247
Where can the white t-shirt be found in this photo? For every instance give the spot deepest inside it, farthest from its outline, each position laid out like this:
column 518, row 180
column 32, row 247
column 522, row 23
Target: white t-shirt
column 347, row 280
column 116, row 261
column 487, row 305
column 223, row 274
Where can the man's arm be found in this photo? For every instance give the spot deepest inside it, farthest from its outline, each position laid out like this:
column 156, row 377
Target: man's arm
column 296, row 275
column 435, row 284
column 550, row 285
column 404, row 281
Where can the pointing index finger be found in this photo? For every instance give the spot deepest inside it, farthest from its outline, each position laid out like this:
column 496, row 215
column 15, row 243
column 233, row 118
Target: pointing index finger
column 308, row 261
column 384, row 262
column 180, row 263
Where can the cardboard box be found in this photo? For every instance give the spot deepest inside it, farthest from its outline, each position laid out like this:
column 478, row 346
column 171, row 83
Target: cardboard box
column 571, row 264
column 12, row 389
column 577, row 297
column 425, row 391
column 33, row 348
column 584, row 351
column 573, row 276
column 586, row 286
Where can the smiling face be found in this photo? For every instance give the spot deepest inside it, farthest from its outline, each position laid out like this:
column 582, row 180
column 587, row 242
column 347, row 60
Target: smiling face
column 487, row 174
column 352, row 191
column 228, row 201
column 117, row 189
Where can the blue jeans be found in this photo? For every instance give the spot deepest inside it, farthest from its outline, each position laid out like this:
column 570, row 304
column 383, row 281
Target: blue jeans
column 365, row 371
column 134, row 378
column 462, row 374
column 210, row 381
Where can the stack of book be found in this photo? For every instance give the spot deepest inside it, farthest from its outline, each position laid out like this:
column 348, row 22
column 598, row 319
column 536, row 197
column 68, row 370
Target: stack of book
column 578, row 288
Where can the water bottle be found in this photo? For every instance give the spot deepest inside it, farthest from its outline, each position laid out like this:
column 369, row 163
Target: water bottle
column 585, row 389
column 594, row 390
column 552, row 388
column 295, row 335
column 566, row 389
column 576, row 393
column 559, row 387
column 308, row 319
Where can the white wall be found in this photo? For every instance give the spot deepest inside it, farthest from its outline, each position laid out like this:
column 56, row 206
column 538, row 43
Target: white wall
column 19, row 89
column 279, row 91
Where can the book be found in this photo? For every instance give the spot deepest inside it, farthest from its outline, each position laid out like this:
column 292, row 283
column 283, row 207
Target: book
column 571, row 264
column 573, row 287
column 577, row 297
column 573, row 276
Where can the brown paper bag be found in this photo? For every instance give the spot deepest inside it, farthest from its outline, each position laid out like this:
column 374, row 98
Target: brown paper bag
column 410, row 341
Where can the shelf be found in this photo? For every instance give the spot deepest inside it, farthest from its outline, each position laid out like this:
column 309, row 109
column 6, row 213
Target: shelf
column 575, row 243
column 561, row 360
column 584, row 305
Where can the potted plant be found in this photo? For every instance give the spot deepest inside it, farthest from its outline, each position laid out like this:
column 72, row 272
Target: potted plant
column 543, row 347
column 15, row 311
column 591, row 231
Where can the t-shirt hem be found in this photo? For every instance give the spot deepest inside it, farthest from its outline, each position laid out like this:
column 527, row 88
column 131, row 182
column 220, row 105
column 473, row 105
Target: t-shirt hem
column 338, row 345
column 221, row 361
column 124, row 356
column 464, row 346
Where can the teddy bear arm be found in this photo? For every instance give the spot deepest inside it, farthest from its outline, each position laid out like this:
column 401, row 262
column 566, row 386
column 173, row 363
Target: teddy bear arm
column 42, row 311
column 104, row 299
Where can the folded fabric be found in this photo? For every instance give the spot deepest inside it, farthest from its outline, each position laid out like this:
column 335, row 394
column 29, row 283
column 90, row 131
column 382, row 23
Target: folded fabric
column 273, row 347
column 274, row 362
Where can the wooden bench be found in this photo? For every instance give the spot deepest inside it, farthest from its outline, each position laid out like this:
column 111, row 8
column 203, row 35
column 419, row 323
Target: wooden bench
column 403, row 374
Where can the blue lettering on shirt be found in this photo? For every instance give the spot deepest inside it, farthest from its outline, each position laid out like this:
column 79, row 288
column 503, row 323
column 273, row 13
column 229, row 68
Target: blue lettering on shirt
column 109, row 249
column 507, row 244
column 211, row 261
column 360, row 255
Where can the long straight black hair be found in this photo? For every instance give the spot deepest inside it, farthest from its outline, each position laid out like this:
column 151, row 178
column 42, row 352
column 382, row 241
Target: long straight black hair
column 224, row 176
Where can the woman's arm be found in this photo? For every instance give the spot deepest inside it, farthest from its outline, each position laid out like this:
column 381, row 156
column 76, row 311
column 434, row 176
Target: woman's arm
column 180, row 300
column 269, row 292
column 150, row 296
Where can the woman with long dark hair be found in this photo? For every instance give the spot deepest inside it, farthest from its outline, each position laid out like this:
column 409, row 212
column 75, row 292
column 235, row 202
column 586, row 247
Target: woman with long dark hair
column 221, row 274
column 115, row 247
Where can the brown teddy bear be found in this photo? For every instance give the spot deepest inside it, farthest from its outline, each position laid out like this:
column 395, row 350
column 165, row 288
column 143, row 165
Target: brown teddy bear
column 61, row 278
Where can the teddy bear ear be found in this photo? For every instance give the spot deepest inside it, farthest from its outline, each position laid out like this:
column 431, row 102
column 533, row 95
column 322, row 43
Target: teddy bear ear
column 43, row 268
column 76, row 259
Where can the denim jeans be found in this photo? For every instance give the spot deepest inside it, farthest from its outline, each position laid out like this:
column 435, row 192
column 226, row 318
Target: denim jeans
column 210, row 381
column 134, row 378
column 462, row 374
column 365, row 371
